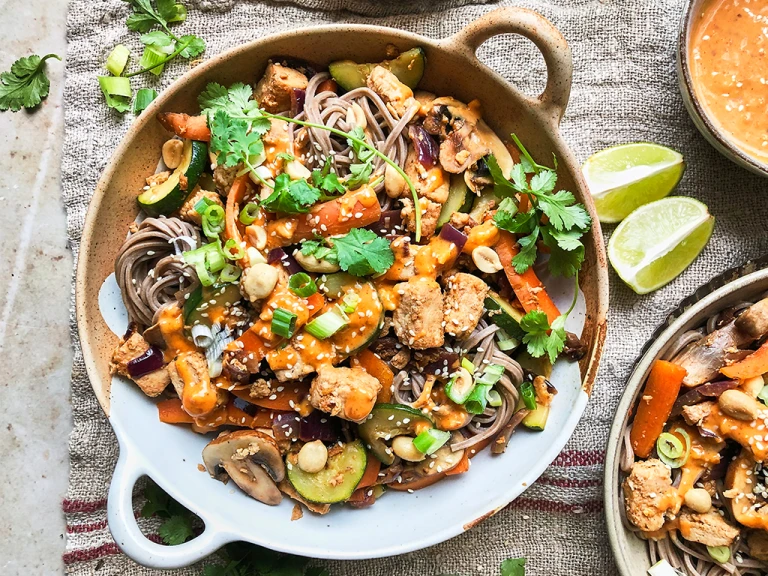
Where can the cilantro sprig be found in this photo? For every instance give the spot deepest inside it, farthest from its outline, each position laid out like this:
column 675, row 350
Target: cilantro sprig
column 26, row 84
column 176, row 527
column 542, row 338
column 237, row 106
column 554, row 217
column 361, row 252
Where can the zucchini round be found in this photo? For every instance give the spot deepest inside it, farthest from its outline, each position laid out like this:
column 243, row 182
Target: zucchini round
column 363, row 327
column 164, row 199
column 387, row 421
column 408, row 67
column 324, row 487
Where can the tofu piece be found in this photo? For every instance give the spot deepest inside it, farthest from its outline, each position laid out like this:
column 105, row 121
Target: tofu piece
column 463, row 303
column 348, row 393
column 754, row 320
column 397, row 96
column 273, row 92
column 696, row 413
column 645, row 494
column 224, row 177
column 430, row 212
column 709, row 529
column 187, row 211
column 153, row 383
column 418, row 318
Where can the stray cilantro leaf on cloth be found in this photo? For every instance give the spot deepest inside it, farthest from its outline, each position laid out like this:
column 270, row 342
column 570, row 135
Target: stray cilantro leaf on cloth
column 176, row 530
column 513, row 567
column 291, row 197
column 362, row 252
column 243, row 559
column 26, row 85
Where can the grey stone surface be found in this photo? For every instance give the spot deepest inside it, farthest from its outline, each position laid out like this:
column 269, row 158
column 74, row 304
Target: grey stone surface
column 35, row 352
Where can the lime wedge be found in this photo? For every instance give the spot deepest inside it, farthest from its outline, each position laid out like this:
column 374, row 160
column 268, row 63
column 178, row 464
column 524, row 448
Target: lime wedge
column 658, row 241
column 625, row 177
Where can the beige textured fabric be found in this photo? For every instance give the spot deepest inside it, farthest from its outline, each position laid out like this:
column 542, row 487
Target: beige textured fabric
column 624, row 90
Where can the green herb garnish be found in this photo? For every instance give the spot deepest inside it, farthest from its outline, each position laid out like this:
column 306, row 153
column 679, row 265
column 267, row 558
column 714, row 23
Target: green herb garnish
column 291, row 196
column 26, row 85
column 361, row 252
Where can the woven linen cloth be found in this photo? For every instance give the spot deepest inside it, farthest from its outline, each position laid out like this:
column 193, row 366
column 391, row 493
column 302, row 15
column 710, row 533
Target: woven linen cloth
column 625, row 89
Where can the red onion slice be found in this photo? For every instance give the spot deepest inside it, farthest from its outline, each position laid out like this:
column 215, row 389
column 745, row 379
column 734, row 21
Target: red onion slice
column 445, row 364
column 286, row 425
column 288, row 261
column 701, row 393
column 319, row 426
column 298, row 97
column 450, row 234
column 148, row 362
column 425, row 146
column 390, row 222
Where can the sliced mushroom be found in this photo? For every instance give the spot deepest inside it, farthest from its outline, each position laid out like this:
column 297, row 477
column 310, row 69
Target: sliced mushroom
column 441, row 461
column 749, row 507
column 251, row 459
column 465, row 138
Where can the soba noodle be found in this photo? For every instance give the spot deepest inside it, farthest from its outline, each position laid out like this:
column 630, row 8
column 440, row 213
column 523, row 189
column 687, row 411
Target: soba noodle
column 690, row 557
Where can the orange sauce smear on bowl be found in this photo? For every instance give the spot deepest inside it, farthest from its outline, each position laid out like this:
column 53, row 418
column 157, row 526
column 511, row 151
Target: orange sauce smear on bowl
column 729, row 68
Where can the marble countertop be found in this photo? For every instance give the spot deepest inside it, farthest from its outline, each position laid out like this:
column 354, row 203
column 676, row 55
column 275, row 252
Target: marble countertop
column 35, row 414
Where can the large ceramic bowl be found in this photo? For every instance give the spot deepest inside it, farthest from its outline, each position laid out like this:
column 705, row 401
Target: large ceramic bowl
column 696, row 109
column 738, row 285
column 170, row 455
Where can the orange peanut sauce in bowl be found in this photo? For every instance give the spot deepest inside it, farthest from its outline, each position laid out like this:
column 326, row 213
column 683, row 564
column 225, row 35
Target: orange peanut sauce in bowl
column 728, row 61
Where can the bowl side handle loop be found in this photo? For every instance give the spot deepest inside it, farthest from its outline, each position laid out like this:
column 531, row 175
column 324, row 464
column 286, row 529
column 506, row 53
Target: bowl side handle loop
column 125, row 530
column 543, row 34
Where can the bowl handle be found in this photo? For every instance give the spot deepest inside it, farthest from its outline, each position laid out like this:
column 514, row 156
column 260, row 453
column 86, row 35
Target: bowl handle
column 128, row 536
column 557, row 55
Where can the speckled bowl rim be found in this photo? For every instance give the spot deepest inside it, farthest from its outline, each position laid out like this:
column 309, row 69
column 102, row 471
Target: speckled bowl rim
column 708, row 296
column 701, row 118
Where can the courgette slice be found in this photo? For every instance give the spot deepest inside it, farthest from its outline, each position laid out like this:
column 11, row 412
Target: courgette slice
column 504, row 315
column 408, row 67
column 537, row 419
column 335, row 482
column 457, row 199
column 387, row 421
column 540, row 366
column 206, row 304
column 164, row 199
column 364, row 322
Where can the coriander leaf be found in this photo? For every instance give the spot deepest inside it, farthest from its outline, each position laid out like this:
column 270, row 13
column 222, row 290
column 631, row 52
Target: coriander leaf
column 219, row 570
column 214, row 97
column 543, row 182
column 194, row 48
column 144, row 16
column 565, row 239
column 513, row 567
column 233, row 142
column 359, row 174
column 527, row 255
column 529, row 164
column 239, row 95
column 171, row 11
column 362, row 252
column 309, row 247
column 540, row 337
column 26, row 85
column 519, row 177
column 565, row 263
column 285, row 157
column 176, row 530
column 502, row 186
column 563, row 212
column 316, row 571
column 556, row 338
column 362, row 153
column 158, row 39
column 157, row 501
column 291, row 197
column 326, row 180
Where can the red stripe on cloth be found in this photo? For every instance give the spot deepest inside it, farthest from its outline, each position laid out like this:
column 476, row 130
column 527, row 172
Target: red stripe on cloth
column 70, row 506
column 568, row 458
column 92, row 527
column 569, row 483
column 109, row 549
column 590, row 506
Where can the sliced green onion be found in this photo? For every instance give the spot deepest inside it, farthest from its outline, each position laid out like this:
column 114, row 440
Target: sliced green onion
column 117, row 92
column 328, row 323
column 213, row 221
column 466, row 363
column 349, row 302
column 494, row 398
column 233, row 250
column 505, row 342
column 249, row 213
column 528, row 395
column 492, row 373
column 179, row 15
column 229, row 273
column 763, row 395
column 144, row 97
column 430, row 441
column 720, row 554
column 663, row 568
column 215, row 260
column 202, row 205
column 460, row 386
column 202, row 335
column 150, row 59
column 283, row 323
column 478, row 399
column 207, row 260
column 117, row 59
column 671, row 449
column 302, row 285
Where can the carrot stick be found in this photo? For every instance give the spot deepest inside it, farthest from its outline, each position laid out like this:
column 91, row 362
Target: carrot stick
column 527, row 286
column 655, row 406
column 186, row 126
column 238, row 417
column 315, row 303
column 288, row 398
column 232, row 213
column 377, row 368
column 171, row 412
column 461, row 467
column 371, row 474
column 753, row 365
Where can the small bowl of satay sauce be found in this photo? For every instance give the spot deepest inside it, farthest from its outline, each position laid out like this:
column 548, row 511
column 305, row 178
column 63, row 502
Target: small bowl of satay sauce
column 723, row 73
